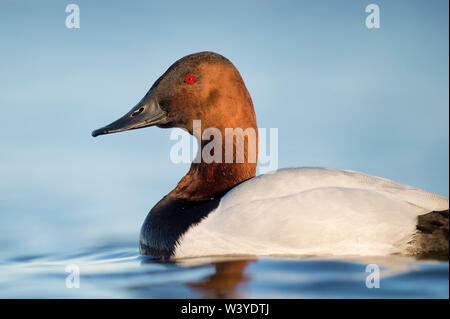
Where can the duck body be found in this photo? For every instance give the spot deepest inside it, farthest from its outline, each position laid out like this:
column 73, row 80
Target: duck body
column 220, row 208
column 296, row 211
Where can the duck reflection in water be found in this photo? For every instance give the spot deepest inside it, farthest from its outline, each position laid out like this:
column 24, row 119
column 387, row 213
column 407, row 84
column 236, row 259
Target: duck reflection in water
column 228, row 278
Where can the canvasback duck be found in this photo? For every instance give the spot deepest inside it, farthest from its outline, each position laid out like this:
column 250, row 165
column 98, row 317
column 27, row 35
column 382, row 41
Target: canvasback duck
column 221, row 208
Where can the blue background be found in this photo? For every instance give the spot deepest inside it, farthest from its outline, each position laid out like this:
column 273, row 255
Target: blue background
column 340, row 94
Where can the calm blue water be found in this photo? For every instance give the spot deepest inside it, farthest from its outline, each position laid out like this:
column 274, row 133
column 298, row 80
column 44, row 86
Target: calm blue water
column 117, row 271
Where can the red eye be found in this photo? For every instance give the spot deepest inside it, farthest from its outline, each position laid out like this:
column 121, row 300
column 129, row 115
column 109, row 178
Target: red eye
column 189, row 79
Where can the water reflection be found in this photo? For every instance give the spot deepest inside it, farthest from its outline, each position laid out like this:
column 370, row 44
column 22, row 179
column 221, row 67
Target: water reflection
column 119, row 272
column 228, row 278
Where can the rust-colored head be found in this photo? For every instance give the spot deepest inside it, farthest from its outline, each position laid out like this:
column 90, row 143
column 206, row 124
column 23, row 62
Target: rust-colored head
column 203, row 86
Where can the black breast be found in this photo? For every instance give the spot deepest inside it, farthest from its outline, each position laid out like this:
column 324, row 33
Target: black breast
column 169, row 220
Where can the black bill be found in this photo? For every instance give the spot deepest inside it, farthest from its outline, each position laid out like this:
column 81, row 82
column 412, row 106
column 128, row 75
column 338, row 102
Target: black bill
column 146, row 113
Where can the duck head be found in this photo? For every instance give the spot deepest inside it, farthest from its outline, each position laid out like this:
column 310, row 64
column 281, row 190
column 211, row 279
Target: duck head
column 203, row 86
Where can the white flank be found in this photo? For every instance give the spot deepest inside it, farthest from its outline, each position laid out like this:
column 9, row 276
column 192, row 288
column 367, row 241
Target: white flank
column 311, row 211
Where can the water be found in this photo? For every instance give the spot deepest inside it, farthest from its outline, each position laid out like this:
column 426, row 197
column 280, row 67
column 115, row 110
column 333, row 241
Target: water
column 117, row 271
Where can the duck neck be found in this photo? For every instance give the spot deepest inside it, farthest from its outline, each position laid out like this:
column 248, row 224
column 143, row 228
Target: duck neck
column 222, row 162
